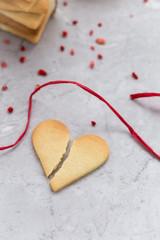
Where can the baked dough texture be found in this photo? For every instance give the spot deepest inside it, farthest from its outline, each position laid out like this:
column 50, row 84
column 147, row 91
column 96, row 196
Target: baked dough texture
column 39, row 7
column 86, row 154
column 22, row 4
column 22, row 31
column 29, row 20
column 50, row 139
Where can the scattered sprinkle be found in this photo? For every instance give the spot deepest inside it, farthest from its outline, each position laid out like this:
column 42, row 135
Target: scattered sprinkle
column 91, row 32
column 93, row 123
column 6, row 41
column 4, row 88
column 131, row 15
column 62, row 48
column 91, row 64
column 99, row 24
column 72, row 52
column 64, row 34
column 23, row 48
column 37, row 86
column 65, row 3
column 145, row 1
column 10, row 109
column 22, row 59
column 74, row 22
column 99, row 56
column 92, row 48
column 42, row 72
column 135, row 76
column 100, row 41
column 4, row 64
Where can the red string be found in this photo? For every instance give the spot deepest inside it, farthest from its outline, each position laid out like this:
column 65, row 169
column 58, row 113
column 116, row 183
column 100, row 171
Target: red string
column 133, row 96
column 142, row 95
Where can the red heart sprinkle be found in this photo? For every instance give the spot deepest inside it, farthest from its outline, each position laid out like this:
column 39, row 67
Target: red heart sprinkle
column 4, row 88
column 4, row 64
column 37, row 86
column 100, row 41
column 23, row 48
column 62, row 48
column 91, row 64
column 100, row 56
column 72, row 52
column 74, row 22
column 42, row 72
column 91, row 32
column 10, row 109
column 22, row 59
column 64, row 34
column 93, row 123
column 6, row 41
column 135, row 76
column 99, row 24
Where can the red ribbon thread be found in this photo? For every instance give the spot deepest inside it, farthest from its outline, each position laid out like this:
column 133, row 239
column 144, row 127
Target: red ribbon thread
column 131, row 130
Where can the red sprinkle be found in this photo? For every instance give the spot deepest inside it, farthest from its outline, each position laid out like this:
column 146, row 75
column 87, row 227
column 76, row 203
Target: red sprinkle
column 145, row 1
column 91, row 64
column 99, row 56
column 6, row 41
column 42, row 72
column 64, row 34
column 74, row 22
column 131, row 15
column 10, row 109
column 91, row 32
column 99, row 24
column 134, row 75
column 4, row 64
column 37, row 86
column 62, row 48
column 22, row 59
column 92, row 48
column 72, row 52
column 65, row 3
column 23, row 48
column 4, row 88
column 100, row 41
column 93, row 123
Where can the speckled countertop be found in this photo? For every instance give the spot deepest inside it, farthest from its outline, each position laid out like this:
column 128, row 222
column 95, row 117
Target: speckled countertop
column 120, row 200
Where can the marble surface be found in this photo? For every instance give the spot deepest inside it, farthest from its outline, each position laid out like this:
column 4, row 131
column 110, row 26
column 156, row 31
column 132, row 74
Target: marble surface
column 121, row 199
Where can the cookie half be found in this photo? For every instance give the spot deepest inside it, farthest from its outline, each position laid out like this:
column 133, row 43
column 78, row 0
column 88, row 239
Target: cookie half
column 50, row 139
column 86, row 154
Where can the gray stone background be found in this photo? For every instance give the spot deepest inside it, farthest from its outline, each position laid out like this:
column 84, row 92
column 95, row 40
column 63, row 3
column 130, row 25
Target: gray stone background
column 120, row 200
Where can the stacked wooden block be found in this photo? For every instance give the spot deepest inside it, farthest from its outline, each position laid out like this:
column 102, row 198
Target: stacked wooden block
column 26, row 18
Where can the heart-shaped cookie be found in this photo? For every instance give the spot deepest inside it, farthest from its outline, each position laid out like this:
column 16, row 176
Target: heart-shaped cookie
column 50, row 139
